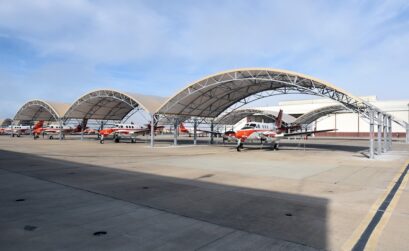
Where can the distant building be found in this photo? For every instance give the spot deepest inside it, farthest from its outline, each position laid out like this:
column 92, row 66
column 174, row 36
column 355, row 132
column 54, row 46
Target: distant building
column 348, row 124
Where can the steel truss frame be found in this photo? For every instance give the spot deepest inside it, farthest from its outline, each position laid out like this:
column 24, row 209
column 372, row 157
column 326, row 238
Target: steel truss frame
column 105, row 97
column 218, row 95
column 43, row 107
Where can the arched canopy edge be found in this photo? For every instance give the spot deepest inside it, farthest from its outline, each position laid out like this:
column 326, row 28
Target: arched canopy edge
column 41, row 110
column 210, row 96
column 109, row 104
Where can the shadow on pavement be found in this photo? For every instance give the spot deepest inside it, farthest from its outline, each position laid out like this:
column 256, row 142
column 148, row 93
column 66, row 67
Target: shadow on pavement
column 295, row 218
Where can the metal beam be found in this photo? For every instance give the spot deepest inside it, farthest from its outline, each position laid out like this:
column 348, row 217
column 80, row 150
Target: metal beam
column 211, row 132
column 152, row 130
column 379, row 147
column 371, row 135
column 385, row 132
column 195, row 131
column 60, row 123
column 390, row 132
column 407, row 133
column 175, row 133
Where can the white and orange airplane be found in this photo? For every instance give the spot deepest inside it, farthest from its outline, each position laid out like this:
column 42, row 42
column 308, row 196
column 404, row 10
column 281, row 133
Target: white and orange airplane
column 55, row 129
column 119, row 131
column 18, row 130
column 266, row 132
column 190, row 131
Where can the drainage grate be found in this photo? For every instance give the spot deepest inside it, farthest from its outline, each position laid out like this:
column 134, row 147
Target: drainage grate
column 288, row 214
column 100, row 233
column 30, row 228
column 20, row 200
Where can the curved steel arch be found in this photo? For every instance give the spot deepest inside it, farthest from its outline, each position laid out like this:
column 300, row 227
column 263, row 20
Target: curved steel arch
column 313, row 115
column 41, row 110
column 107, row 104
column 212, row 95
column 237, row 115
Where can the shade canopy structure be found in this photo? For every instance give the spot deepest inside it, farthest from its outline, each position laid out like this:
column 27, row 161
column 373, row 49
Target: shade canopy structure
column 229, row 90
column 108, row 104
column 41, row 110
column 313, row 115
column 5, row 122
column 235, row 116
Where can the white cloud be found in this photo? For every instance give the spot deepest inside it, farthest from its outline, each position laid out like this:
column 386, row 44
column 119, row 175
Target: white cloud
column 161, row 46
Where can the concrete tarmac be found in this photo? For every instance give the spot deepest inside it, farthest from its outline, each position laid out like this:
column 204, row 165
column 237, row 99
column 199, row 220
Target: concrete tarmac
column 81, row 195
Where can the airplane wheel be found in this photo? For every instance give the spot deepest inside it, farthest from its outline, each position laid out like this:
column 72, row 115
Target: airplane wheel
column 116, row 140
column 18, row 135
column 101, row 141
column 133, row 141
column 51, row 137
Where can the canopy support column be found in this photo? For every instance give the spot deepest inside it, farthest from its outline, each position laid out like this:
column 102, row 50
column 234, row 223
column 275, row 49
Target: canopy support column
column 175, row 132
column 60, row 123
column 385, row 132
column 379, row 147
column 211, row 132
column 195, row 131
column 83, row 125
column 152, row 130
column 407, row 133
column 390, row 133
column 371, row 135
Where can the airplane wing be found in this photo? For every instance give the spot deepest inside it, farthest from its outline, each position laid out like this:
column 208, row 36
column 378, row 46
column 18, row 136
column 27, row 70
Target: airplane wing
column 307, row 132
column 208, row 132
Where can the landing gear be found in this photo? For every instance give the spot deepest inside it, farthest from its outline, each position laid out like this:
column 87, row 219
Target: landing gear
column 239, row 145
column 51, row 137
column 116, row 138
column 133, row 140
column 275, row 147
column 101, row 139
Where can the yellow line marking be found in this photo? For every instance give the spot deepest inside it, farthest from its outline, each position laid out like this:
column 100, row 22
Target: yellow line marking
column 349, row 244
column 373, row 240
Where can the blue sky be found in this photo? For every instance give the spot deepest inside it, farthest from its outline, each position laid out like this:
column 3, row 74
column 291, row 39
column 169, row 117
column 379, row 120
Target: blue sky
column 58, row 50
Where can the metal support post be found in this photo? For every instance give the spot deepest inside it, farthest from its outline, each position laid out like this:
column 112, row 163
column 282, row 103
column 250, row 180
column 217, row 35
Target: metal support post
column 195, row 131
column 152, row 130
column 83, row 125
column 385, row 132
column 211, row 132
column 379, row 147
column 371, row 135
column 60, row 123
column 407, row 133
column 102, row 125
column 390, row 132
column 175, row 133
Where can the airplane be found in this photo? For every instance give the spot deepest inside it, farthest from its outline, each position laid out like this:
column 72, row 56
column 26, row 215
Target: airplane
column 271, row 133
column 55, row 129
column 190, row 131
column 119, row 131
column 18, row 130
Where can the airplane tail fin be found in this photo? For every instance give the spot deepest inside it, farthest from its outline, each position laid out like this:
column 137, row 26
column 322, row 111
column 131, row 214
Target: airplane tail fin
column 182, row 127
column 39, row 124
column 279, row 119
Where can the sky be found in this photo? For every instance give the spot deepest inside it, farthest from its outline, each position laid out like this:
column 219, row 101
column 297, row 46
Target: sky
column 59, row 50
